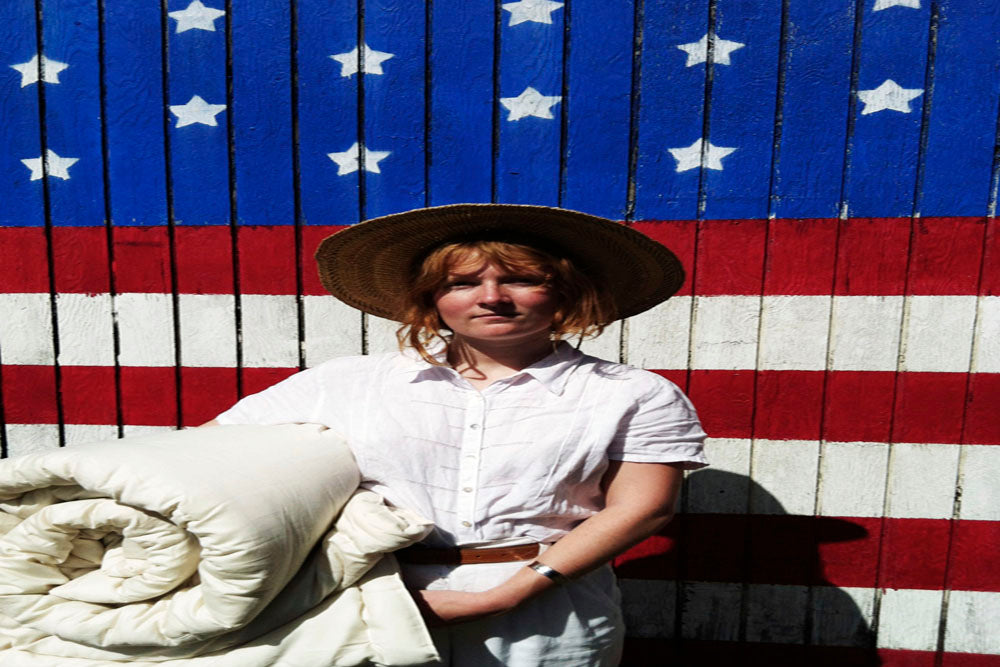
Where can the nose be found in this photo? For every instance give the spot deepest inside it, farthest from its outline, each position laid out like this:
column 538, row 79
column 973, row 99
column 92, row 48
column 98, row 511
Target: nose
column 491, row 292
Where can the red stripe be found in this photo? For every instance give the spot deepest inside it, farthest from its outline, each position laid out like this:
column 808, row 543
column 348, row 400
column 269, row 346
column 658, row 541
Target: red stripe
column 88, row 395
column 142, row 259
column 679, row 236
column 872, row 256
column 800, row 256
column 29, row 395
column 205, row 393
column 267, row 260
column 25, row 259
column 642, row 652
column 149, row 396
column 80, row 258
column 789, row 403
column 730, row 257
column 204, row 259
column 817, row 551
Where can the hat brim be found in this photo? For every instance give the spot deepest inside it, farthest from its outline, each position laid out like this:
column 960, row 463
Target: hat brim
column 369, row 264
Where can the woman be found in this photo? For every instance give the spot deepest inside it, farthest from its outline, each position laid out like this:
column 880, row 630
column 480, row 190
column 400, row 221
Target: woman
column 536, row 463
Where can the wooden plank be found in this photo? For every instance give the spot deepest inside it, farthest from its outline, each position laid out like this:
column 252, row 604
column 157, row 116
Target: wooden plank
column 957, row 182
column 598, row 108
column 815, row 101
column 19, row 115
column 744, row 82
column 269, row 319
column 394, row 108
column 530, row 105
column 883, row 151
column 198, row 114
column 460, row 135
column 671, row 105
column 327, row 110
column 134, row 108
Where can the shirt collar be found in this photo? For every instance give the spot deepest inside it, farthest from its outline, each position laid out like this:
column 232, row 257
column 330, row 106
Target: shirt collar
column 552, row 371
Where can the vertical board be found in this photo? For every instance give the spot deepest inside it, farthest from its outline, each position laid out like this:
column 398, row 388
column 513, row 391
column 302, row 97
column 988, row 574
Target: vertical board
column 20, row 197
column 394, row 109
column 76, row 190
column 460, row 136
column 598, row 109
column 134, row 114
column 671, row 110
column 962, row 122
column 884, row 148
column 199, row 116
column 742, row 109
column 817, row 54
column 530, row 104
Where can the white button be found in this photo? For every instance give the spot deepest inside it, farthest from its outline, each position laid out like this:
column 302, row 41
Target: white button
column 473, row 426
column 468, row 489
column 466, row 524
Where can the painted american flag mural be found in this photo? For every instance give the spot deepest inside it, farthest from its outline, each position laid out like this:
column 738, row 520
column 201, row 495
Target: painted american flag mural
column 827, row 172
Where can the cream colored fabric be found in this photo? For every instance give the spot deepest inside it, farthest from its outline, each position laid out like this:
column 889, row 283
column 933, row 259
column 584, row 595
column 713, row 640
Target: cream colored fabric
column 196, row 548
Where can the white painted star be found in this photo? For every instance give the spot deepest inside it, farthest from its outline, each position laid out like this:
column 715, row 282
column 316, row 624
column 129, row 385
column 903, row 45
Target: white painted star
column 373, row 60
column 196, row 110
column 196, row 17
column 689, row 157
column 57, row 166
column 886, row 4
column 698, row 51
column 538, row 11
column 890, row 95
column 530, row 103
column 30, row 70
column 347, row 161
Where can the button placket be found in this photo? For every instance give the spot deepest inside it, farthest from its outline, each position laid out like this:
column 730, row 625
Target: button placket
column 468, row 469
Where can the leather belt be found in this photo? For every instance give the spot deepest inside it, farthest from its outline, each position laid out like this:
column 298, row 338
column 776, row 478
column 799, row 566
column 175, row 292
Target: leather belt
column 418, row 555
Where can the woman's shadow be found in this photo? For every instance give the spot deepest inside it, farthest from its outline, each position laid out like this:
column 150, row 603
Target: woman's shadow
column 721, row 586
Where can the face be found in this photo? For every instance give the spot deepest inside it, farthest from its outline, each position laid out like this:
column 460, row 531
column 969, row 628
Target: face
column 481, row 301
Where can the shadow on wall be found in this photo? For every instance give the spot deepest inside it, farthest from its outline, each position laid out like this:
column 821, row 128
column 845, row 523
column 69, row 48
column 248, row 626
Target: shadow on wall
column 721, row 586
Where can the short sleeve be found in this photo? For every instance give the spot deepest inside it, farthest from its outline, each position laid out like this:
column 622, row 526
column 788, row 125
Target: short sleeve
column 660, row 425
column 295, row 400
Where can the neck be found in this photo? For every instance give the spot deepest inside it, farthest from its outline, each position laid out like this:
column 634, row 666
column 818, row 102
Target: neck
column 484, row 362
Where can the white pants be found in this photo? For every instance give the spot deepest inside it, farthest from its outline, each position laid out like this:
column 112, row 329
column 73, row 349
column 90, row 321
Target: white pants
column 578, row 624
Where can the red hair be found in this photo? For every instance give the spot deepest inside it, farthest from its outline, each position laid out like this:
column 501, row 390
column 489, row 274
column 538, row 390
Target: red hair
column 583, row 308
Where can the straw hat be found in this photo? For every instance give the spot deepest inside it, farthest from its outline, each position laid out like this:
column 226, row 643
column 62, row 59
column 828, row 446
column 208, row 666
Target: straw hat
column 368, row 265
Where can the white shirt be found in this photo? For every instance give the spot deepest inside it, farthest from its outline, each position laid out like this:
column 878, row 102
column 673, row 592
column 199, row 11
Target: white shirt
column 519, row 462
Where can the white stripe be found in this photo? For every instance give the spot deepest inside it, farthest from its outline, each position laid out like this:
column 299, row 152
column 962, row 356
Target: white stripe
column 980, row 482
column 207, row 329
column 842, row 616
column 26, row 329
column 908, row 619
column 332, row 329
column 865, row 333
column 987, row 349
column 972, row 622
column 31, row 438
column 659, row 337
column 606, row 346
column 793, row 332
column 81, row 434
column 852, row 478
column 648, row 606
column 724, row 487
column 134, row 429
column 711, row 610
column 784, row 472
column 145, row 329
column 86, row 334
column 725, row 332
column 381, row 335
column 775, row 613
column 270, row 330
column 938, row 333
column 922, row 480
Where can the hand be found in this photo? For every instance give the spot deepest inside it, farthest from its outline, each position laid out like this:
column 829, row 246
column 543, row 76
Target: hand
column 445, row 607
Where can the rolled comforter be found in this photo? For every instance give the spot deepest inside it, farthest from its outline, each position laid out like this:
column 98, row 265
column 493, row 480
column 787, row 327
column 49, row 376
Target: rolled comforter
column 207, row 547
